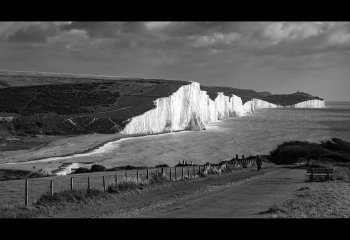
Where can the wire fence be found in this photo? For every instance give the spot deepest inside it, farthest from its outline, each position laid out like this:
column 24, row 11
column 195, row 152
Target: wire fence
column 27, row 191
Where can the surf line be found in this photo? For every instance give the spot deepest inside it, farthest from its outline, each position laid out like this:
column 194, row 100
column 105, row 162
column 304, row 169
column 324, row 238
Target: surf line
column 92, row 150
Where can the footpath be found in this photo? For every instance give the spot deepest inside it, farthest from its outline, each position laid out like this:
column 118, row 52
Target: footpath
column 245, row 200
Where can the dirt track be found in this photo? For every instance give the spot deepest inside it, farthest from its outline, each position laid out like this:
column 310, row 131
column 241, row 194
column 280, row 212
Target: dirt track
column 238, row 194
column 245, row 200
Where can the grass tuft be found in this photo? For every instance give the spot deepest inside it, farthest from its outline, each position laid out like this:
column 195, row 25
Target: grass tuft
column 62, row 198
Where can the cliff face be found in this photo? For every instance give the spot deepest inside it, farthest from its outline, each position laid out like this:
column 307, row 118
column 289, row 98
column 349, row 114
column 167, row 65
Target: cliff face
column 263, row 104
column 314, row 103
column 188, row 108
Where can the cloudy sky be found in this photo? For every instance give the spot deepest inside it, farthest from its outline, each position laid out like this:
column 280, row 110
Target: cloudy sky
column 280, row 57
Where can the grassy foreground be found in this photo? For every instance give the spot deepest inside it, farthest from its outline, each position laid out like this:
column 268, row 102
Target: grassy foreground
column 316, row 200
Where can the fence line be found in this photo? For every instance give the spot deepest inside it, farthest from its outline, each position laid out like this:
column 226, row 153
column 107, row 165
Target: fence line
column 140, row 175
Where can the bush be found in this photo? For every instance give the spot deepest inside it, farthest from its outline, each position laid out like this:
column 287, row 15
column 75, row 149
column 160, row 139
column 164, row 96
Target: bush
column 124, row 186
column 336, row 144
column 288, row 154
column 97, row 168
column 81, row 170
column 210, row 170
column 162, row 166
column 296, row 151
column 68, row 197
column 157, row 178
column 337, row 157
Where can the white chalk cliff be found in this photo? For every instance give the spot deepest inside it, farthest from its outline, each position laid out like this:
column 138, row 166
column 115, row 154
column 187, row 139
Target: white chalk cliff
column 263, row 104
column 315, row 103
column 190, row 108
column 187, row 108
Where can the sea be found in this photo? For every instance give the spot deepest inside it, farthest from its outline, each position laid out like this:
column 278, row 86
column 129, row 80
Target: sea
column 252, row 134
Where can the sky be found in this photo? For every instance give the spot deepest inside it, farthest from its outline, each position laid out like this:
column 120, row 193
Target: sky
column 279, row 57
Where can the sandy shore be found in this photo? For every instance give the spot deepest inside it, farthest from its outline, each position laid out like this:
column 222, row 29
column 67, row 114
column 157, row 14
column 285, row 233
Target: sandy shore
column 23, row 159
column 63, row 147
column 44, row 160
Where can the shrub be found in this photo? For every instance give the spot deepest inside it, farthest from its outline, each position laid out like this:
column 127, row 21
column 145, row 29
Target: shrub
column 336, row 144
column 157, row 178
column 228, row 168
column 68, row 197
column 210, row 170
column 162, row 166
column 288, row 154
column 97, row 168
column 124, row 186
column 337, row 157
column 295, row 151
column 81, row 170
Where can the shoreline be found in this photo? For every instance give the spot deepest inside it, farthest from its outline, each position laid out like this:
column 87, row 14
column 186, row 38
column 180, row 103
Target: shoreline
column 90, row 149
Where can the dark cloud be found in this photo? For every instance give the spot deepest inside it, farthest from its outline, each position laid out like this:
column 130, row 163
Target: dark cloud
column 106, row 29
column 36, row 33
column 234, row 53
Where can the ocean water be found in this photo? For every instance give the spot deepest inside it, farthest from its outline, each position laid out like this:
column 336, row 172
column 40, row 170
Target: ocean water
column 256, row 133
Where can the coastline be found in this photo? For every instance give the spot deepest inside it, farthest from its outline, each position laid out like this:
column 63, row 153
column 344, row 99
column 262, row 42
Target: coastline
column 95, row 147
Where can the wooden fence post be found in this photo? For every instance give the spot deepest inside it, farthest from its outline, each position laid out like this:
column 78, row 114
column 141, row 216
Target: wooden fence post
column 104, row 183
column 170, row 174
column 182, row 174
column 71, row 184
column 188, row 172
column 328, row 174
column 147, row 176
column 26, row 197
column 51, row 187
column 126, row 176
column 89, row 183
column 175, row 174
column 137, row 176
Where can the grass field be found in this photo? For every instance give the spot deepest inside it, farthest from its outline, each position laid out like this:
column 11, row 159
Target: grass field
column 316, row 200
